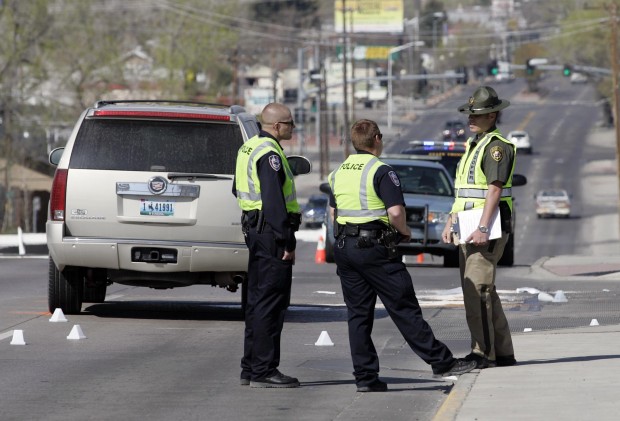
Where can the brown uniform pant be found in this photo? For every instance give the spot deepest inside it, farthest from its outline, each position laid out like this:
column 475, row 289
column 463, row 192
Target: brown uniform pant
column 490, row 334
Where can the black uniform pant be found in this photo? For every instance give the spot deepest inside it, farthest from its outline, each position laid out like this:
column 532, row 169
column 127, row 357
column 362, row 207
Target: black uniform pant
column 268, row 297
column 366, row 273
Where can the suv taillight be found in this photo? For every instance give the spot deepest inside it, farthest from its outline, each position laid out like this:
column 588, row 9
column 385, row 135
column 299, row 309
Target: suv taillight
column 57, row 197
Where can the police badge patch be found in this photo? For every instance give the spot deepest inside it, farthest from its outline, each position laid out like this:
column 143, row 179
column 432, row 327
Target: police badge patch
column 394, row 178
column 274, row 161
column 497, row 153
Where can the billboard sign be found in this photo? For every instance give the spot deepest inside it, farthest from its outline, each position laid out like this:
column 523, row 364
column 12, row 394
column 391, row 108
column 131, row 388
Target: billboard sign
column 369, row 15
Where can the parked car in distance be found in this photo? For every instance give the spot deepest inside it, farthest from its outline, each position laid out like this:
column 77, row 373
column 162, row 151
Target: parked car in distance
column 521, row 139
column 552, row 203
column 313, row 212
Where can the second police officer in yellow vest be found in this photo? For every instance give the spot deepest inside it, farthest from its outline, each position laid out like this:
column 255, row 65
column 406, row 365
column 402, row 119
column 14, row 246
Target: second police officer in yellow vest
column 368, row 208
column 484, row 181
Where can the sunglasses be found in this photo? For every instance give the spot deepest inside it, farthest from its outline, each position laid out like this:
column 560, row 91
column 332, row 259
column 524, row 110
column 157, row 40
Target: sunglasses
column 290, row 123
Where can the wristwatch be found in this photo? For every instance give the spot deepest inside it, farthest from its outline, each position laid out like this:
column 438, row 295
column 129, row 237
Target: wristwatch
column 483, row 229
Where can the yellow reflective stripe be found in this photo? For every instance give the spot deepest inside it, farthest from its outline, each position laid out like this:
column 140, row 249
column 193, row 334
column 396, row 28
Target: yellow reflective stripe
column 361, row 212
column 468, row 193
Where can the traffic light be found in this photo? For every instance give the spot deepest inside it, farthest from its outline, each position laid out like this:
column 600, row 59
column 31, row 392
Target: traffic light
column 315, row 76
column 568, row 70
column 300, row 115
column 379, row 72
column 492, row 68
column 529, row 68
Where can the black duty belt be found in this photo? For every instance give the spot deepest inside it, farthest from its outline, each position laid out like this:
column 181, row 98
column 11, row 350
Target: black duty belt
column 355, row 231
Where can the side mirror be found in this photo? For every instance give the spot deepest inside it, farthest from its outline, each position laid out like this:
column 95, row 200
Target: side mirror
column 55, row 156
column 518, row 180
column 324, row 187
column 299, row 164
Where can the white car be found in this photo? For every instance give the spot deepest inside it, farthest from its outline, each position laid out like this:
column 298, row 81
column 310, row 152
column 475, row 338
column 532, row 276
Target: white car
column 552, row 203
column 578, row 78
column 522, row 141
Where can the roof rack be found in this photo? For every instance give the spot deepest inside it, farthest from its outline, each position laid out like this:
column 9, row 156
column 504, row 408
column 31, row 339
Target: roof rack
column 103, row 103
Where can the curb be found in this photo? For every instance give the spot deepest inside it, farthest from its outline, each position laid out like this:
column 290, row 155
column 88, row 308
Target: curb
column 453, row 403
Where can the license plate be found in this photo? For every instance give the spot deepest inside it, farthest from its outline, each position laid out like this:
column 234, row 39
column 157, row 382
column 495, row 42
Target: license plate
column 156, row 208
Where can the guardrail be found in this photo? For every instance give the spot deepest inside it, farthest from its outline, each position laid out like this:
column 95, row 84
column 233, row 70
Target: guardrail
column 21, row 240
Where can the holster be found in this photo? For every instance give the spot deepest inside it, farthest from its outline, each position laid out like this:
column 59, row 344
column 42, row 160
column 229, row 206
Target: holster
column 251, row 219
column 390, row 238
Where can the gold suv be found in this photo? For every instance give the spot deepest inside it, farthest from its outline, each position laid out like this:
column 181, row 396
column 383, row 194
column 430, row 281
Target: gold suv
column 142, row 196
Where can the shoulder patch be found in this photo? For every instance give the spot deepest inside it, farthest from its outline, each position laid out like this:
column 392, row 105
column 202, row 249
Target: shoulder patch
column 394, row 178
column 274, row 161
column 497, row 153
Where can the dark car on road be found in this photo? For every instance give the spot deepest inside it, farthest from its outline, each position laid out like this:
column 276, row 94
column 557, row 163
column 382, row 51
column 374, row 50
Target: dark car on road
column 313, row 212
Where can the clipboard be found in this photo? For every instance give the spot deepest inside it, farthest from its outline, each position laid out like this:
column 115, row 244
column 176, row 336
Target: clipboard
column 469, row 220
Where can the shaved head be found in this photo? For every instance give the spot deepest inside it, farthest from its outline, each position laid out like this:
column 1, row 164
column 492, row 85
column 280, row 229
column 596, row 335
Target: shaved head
column 274, row 112
column 276, row 119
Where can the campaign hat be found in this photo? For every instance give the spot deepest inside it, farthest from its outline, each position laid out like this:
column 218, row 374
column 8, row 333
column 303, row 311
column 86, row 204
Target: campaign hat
column 484, row 101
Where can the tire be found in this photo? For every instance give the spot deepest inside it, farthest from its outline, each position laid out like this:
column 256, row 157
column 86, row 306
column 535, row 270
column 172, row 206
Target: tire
column 64, row 291
column 508, row 258
column 96, row 292
column 451, row 260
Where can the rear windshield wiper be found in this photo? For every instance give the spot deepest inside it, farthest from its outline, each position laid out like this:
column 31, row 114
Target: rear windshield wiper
column 193, row 176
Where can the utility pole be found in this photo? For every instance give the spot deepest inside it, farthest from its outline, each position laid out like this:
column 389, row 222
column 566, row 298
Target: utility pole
column 345, row 91
column 614, row 78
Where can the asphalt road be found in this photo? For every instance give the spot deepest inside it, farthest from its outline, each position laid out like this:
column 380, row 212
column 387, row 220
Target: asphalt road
column 174, row 354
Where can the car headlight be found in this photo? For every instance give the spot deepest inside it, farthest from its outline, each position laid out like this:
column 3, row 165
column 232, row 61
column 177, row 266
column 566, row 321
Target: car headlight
column 437, row 217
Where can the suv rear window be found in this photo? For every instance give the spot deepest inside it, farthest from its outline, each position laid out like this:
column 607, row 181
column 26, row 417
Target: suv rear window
column 148, row 145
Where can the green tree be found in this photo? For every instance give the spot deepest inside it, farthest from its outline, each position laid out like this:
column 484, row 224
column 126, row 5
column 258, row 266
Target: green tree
column 301, row 14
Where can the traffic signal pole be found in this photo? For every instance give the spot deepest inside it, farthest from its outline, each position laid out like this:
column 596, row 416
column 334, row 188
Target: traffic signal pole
column 614, row 78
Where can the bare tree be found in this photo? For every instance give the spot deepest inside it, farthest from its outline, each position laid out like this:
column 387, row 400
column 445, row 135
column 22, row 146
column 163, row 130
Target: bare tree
column 23, row 27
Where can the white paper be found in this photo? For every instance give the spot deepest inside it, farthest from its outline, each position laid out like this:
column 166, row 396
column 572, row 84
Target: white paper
column 469, row 220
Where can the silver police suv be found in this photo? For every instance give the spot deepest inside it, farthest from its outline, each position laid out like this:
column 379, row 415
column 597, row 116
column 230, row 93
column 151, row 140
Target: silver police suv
column 142, row 196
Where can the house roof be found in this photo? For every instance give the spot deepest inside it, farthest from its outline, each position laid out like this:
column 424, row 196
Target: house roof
column 24, row 178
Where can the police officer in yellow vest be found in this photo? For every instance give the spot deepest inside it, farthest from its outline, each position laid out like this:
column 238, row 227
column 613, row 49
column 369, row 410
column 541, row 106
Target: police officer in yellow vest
column 368, row 206
column 484, row 181
column 265, row 191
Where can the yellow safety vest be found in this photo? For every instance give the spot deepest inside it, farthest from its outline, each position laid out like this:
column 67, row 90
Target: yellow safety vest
column 471, row 185
column 353, row 188
column 246, row 175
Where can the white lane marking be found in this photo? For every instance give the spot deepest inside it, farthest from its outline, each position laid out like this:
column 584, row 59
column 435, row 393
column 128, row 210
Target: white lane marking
column 6, row 335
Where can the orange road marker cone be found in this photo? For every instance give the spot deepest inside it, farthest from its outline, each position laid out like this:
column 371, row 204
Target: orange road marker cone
column 319, row 257
column 420, row 258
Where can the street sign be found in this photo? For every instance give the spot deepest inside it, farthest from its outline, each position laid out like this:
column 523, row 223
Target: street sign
column 538, row 61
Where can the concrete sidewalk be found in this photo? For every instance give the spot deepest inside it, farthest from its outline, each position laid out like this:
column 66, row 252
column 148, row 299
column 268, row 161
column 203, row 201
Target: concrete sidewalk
column 567, row 374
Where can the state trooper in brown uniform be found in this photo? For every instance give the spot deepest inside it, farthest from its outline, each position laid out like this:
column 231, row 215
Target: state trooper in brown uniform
column 484, row 181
